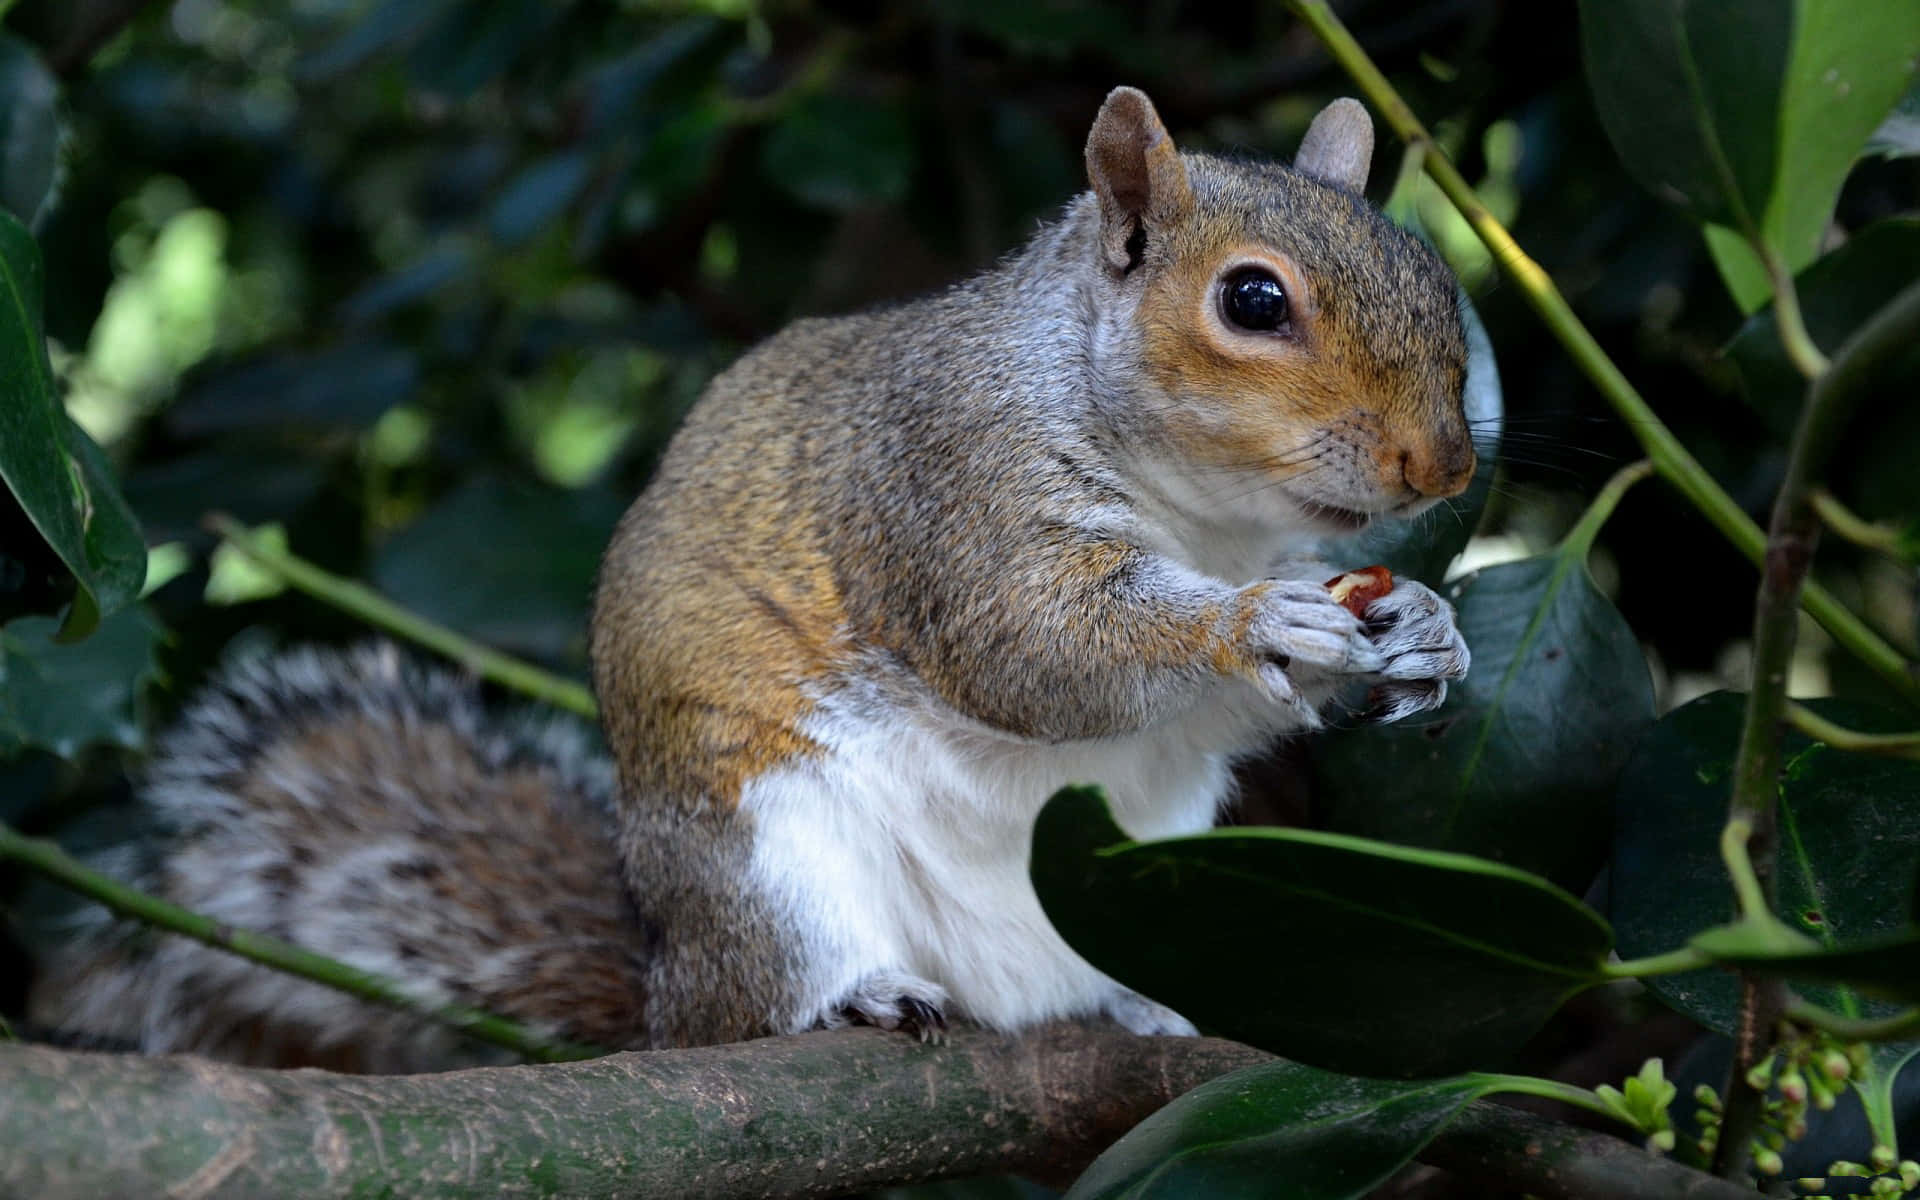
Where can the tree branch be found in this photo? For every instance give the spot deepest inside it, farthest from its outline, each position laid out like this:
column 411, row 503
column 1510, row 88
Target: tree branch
column 813, row 1115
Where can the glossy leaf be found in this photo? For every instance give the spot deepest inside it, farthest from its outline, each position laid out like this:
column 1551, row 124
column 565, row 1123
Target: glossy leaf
column 1422, row 548
column 31, row 130
column 1345, row 925
column 65, row 698
column 1278, row 1131
column 54, row 470
column 1748, row 112
column 1849, row 837
column 1519, row 764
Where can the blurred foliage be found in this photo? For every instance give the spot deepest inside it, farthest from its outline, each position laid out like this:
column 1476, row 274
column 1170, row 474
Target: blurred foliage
column 336, row 265
column 426, row 284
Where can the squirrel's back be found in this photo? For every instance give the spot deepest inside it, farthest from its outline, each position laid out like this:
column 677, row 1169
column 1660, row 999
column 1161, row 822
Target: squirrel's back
column 374, row 811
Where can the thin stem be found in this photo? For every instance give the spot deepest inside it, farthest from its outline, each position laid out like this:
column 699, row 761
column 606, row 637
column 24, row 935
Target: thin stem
column 1673, row 962
column 1899, row 1027
column 1851, row 526
column 56, row 864
column 1553, row 1089
column 1670, row 458
column 382, row 613
column 1802, row 351
column 1817, row 727
column 1749, row 886
column 1579, row 539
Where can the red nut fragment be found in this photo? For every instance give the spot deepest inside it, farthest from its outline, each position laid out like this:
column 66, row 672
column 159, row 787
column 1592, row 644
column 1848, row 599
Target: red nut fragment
column 1357, row 589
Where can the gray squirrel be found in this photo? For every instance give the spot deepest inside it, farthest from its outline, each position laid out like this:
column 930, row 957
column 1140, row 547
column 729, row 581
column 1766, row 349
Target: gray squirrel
column 899, row 577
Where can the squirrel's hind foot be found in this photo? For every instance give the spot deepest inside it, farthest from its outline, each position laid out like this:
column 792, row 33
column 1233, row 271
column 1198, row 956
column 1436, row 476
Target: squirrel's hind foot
column 895, row 1000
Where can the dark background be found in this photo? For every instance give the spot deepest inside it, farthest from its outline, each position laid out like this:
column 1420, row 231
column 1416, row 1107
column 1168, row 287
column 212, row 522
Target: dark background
column 429, row 282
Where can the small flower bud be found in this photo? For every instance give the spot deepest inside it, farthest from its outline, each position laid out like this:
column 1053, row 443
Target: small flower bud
column 1662, row 1142
column 1793, row 1086
column 1706, row 1097
column 1768, row 1162
column 1835, row 1066
column 1882, row 1158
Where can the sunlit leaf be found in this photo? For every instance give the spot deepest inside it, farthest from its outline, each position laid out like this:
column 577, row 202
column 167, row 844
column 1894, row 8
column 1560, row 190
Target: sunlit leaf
column 1749, row 113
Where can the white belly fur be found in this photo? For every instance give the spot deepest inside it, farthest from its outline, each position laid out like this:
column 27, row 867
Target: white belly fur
column 906, row 848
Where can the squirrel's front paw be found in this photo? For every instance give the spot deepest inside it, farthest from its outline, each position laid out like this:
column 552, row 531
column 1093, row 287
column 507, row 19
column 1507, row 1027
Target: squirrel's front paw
column 1420, row 646
column 1298, row 625
column 895, row 1000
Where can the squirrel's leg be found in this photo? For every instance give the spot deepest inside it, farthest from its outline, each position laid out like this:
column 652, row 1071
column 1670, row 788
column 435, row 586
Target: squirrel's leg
column 772, row 919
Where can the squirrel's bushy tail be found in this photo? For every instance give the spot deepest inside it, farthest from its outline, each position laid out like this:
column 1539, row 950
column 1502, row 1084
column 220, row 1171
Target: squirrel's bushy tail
column 372, row 810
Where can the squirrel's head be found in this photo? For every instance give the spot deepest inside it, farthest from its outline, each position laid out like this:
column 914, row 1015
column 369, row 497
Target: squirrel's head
column 1295, row 337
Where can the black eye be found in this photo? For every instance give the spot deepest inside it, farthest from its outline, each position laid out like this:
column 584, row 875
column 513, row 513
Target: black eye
column 1253, row 299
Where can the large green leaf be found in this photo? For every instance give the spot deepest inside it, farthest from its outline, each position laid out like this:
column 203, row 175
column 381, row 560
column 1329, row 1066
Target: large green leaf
column 1849, row 842
column 31, row 130
column 1346, row 954
column 56, row 473
column 65, row 698
column 1278, row 1131
column 1518, row 765
column 1748, row 112
column 524, row 585
column 1422, row 548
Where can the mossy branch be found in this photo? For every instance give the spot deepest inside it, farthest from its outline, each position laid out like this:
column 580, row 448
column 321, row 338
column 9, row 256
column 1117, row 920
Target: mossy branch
column 382, row 613
column 815, row 1115
column 48, row 859
column 1675, row 464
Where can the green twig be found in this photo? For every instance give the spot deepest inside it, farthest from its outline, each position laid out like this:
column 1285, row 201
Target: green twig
column 1900, row 1027
column 1552, row 1089
column 1749, row 885
column 1851, row 526
column 1817, row 727
column 1670, row 458
column 1579, row 539
column 380, row 612
column 1673, row 962
column 56, row 864
column 1802, row 351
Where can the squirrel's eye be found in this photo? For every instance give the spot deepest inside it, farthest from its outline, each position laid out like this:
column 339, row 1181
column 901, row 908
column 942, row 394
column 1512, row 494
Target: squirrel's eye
column 1253, row 299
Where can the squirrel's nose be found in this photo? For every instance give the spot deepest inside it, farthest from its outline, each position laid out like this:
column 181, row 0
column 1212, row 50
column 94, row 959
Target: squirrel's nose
column 1441, row 469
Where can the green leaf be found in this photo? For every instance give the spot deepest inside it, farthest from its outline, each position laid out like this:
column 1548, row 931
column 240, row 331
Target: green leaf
column 65, row 698
column 54, row 470
column 1519, row 764
column 1422, row 548
column 1346, row 923
column 524, row 586
column 1849, row 838
column 1749, row 113
column 836, row 152
column 347, row 386
column 1278, row 1131
column 31, row 130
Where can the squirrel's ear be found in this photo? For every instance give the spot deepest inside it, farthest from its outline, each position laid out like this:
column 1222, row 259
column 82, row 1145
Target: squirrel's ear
column 1338, row 148
column 1136, row 173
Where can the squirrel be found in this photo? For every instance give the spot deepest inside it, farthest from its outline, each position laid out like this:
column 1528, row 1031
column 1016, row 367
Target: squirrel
column 899, row 576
